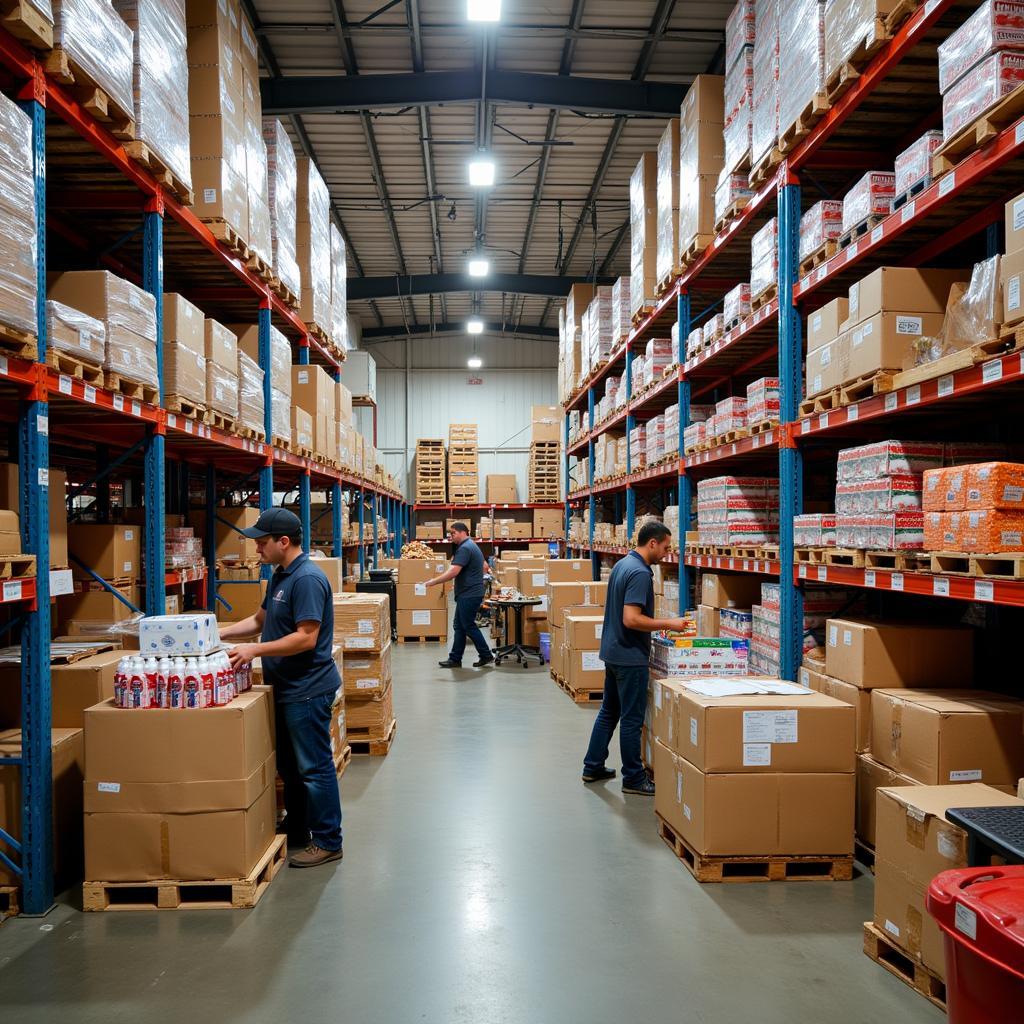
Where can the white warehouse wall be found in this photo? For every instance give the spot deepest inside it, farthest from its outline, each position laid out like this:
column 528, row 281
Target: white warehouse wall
column 517, row 374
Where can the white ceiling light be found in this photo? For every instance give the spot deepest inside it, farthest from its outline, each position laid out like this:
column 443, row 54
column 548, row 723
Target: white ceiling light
column 483, row 10
column 481, row 172
column 474, row 362
column 475, row 325
column 479, row 267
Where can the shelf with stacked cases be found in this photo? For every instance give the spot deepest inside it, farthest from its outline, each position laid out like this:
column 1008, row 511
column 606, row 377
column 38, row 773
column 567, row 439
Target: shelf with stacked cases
column 732, row 563
column 611, row 549
column 497, row 540
column 177, row 577
column 20, row 590
column 486, row 506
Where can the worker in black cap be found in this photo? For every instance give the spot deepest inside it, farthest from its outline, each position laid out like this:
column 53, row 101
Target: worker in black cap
column 296, row 627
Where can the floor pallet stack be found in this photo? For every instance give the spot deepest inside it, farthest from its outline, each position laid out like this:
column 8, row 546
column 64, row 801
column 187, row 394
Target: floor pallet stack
column 430, row 471
column 545, row 471
column 463, row 464
column 422, row 610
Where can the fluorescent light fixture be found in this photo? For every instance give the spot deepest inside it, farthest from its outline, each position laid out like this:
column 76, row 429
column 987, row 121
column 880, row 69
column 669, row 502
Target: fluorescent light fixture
column 474, row 326
column 474, row 362
column 483, row 10
column 479, row 267
column 481, row 172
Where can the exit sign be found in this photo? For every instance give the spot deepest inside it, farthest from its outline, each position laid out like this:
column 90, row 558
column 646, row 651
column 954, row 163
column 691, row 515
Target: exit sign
column 474, row 380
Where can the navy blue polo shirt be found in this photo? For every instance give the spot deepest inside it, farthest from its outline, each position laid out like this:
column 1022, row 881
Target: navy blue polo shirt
column 300, row 593
column 631, row 582
column 469, row 582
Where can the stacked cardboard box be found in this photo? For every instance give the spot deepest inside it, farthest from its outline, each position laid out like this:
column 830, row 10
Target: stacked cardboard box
column 316, row 393
column 10, row 498
column 740, row 33
column 74, row 687
column 362, row 628
column 701, row 154
column 570, row 358
column 339, row 291
column 222, row 380
column 184, row 353
column 257, row 185
column 669, row 163
column 430, row 472
column 974, row 508
column 463, row 464
column 280, row 370
column 76, row 334
column 113, row 553
column 734, row 775
column 313, row 246
column 643, row 222
column 422, row 610
column 179, row 796
column 281, row 193
column 821, row 224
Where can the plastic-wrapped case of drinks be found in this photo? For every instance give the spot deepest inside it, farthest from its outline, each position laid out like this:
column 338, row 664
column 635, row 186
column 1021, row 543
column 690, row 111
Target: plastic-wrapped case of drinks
column 190, row 683
column 872, row 196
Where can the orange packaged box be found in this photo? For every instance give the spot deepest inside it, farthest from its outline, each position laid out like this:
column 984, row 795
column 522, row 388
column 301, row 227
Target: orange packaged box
column 998, row 485
column 941, row 531
column 944, row 490
column 992, row 531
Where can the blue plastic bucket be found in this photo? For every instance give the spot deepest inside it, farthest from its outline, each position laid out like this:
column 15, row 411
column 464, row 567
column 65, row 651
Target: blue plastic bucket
column 545, row 647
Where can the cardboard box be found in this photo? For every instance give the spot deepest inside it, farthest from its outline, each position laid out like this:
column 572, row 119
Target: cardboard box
column 302, row 428
column 419, row 595
column 419, row 570
column 883, row 341
column 901, row 290
column 98, row 605
column 313, row 390
column 547, row 423
column 561, row 596
column 74, row 688
column 184, row 324
column 110, row 551
column 532, row 581
column 362, row 622
column 569, row 570
column 334, row 570
column 1015, row 225
column 735, row 590
column 556, row 663
column 1011, row 272
column 221, row 347
column 241, row 599
column 762, row 814
column 838, row 689
column 583, row 632
column 179, row 635
column 501, row 488
column 423, row 622
column 548, row 522
column 367, row 674
column 67, row 761
column 914, row 843
column 759, row 733
column 10, row 497
column 949, row 735
column 871, row 777
column 369, row 717
column 876, row 654
column 708, row 620
column 584, row 670
column 230, row 545
column 823, row 324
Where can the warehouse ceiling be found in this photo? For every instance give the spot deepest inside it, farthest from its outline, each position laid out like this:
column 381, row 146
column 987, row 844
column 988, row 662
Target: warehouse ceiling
column 394, row 153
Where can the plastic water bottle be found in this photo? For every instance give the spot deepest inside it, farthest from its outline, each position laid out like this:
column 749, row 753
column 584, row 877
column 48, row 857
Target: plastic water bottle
column 207, row 682
column 163, row 678
column 121, row 677
column 224, row 685
column 176, row 684
column 243, row 677
column 191, row 685
column 137, row 694
column 152, row 669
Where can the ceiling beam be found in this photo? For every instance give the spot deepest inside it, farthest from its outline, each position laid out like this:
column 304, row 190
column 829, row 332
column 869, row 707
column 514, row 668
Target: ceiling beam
column 401, row 286
column 492, row 329
column 331, row 93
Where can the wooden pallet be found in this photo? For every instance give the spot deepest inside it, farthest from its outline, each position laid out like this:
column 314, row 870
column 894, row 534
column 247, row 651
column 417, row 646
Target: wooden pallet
column 131, row 388
column 302, row 451
column 217, row 419
column 374, row 746
column 864, row 853
column 885, row 953
column 228, row 235
column 756, row 869
column 17, row 343
column 765, row 167
column 843, row 77
column 950, row 563
column 806, row 120
column 768, row 552
column 877, row 383
column 284, row 293
column 15, row 566
column 696, row 247
column 898, row 561
column 978, row 132
column 662, row 285
column 822, row 254
column 982, row 352
column 141, row 153
column 282, row 442
column 861, row 229
column 640, row 315
column 9, row 906
column 441, row 639
column 582, row 695
column 999, row 567
column 185, row 407
column 757, row 301
column 911, row 193
column 252, row 434
column 850, row 557
column 732, row 211
column 25, row 23
column 899, row 14
column 342, row 760
column 809, row 556
column 74, row 367
column 170, row 894
column 763, row 427
column 259, row 266
column 62, row 66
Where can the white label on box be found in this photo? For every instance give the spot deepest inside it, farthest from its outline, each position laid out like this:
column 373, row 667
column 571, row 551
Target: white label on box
column 891, row 928
column 966, row 775
column 119, row 403
column 539, row 579
column 854, row 305
column 909, row 210
column 108, row 787
column 833, row 636
column 687, row 812
column 420, row 589
column 876, row 235
column 61, row 582
column 64, row 384
column 543, row 606
column 891, row 401
column 360, row 642
column 1018, row 215
column 769, row 727
column 592, row 661
column 126, row 568
column 598, row 631
column 945, row 386
column 948, row 183
column 209, row 195
column 757, row 755
column 1013, row 293
column 421, row 617
column 826, row 355
column 1014, row 494
column 12, row 590
column 909, row 325
column 693, row 731
column 367, row 684
column 364, row 626
column 983, row 590
column 940, row 587
column 847, row 638
column 992, row 371
column 966, row 921
column 805, row 678
column 129, row 535
column 897, row 581
column 816, row 322
column 657, row 696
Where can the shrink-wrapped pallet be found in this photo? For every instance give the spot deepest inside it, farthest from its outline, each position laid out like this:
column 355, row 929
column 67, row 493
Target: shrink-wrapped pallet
column 765, row 116
column 281, row 184
column 852, row 27
column 313, row 245
column 801, row 60
column 668, row 200
column 74, row 332
column 250, row 394
column 996, row 25
column 643, row 198
column 822, row 223
column 17, row 203
column 339, row 294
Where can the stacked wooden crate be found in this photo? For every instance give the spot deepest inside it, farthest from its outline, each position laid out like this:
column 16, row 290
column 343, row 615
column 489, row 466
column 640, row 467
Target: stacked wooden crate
column 463, row 464
column 545, row 455
column 430, row 471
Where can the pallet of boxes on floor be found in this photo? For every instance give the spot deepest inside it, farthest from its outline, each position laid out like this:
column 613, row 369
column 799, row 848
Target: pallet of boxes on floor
column 422, row 611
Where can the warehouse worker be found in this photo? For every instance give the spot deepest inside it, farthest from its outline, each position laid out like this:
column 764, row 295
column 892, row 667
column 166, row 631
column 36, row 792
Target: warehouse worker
column 626, row 652
column 467, row 569
column 296, row 627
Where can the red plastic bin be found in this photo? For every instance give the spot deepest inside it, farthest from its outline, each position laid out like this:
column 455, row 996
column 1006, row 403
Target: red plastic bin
column 981, row 914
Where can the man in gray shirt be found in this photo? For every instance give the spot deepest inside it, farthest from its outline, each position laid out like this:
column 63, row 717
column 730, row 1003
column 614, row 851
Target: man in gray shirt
column 467, row 570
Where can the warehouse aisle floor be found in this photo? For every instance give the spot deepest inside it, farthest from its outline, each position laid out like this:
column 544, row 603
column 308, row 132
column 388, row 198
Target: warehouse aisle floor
column 482, row 884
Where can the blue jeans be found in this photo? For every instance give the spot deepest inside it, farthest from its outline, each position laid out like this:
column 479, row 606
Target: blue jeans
column 624, row 702
column 306, row 767
column 465, row 625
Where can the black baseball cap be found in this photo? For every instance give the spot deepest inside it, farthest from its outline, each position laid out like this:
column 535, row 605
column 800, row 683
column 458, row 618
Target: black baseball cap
column 275, row 522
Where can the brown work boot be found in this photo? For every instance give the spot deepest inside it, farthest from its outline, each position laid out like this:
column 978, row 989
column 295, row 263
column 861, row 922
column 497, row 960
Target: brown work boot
column 312, row 856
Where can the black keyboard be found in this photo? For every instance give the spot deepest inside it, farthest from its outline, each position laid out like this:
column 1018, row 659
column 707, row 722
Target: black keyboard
column 999, row 829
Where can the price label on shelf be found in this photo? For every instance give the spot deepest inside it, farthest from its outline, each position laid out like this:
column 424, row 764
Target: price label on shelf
column 822, row 573
column 188, row 426
column 12, row 590
column 852, row 413
column 89, row 393
column 172, row 420
column 869, row 577
column 136, row 409
column 940, row 586
column 992, row 371
column 43, row 424
column 823, row 421
column 947, row 184
column 822, row 271
column 746, row 565
column 119, row 402
column 805, row 426
column 892, row 400
column 877, row 233
column 914, row 394
column 4, row 368
column 851, row 252
column 945, row 386
column 984, row 590
column 803, row 572
column 1018, row 135
column 909, row 211
column 896, row 581
column 64, row 384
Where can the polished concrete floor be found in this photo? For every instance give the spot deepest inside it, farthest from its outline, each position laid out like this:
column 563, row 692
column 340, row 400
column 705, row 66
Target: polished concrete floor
column 482, row 884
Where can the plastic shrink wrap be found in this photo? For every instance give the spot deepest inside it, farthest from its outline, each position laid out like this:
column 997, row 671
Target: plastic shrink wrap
column 281, row 185
column 71, row 331
column 801, row 60
column 339, row 294
column 18, row 211
column 250, row 394
column 995, row 25
column 668, row 200
column 313, row 245
column 765, row 117
column 95, row 38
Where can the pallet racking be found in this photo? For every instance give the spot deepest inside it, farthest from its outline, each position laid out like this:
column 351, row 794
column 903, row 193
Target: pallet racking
column 126, row 221
column 962, row 210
